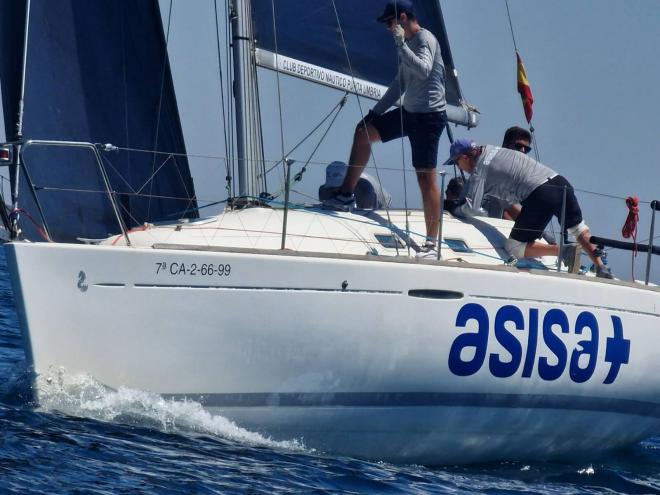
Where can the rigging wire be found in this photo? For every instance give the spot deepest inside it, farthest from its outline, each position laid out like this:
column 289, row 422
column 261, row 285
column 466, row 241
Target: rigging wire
column 350, row 68
column 14, row 229
column 160, row 99
column 513, row 36
column 403, row 153
column 298, row 177
column 257, row 154
column 532, row 132
column 515, row 48
column 337, row 107
column 230, row 78
column 21, row 101
column 275, row 162
column 279, row 93
column 104, row 192
column 127, row 135
column 262, row 161
column 228, row 177
column 247, row 88
column 257, row 135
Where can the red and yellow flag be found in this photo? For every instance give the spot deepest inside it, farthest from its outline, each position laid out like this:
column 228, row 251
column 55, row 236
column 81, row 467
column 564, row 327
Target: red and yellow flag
column 524, row 89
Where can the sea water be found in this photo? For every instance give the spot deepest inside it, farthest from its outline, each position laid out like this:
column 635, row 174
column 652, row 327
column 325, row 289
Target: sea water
column 84, row 438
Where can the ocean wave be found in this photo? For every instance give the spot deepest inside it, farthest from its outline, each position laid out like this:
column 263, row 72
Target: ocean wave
column 83, row 396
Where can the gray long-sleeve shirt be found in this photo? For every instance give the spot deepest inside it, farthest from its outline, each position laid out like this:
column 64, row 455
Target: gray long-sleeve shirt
column 420, row 78
column 504, row 174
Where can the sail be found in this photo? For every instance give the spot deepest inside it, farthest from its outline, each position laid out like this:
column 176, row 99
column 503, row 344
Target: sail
column 95, row 72
column 310, row 45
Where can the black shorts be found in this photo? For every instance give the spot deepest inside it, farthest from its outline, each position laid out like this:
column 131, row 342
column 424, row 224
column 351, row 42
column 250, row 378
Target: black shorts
column 423, row 131
column 539, row 207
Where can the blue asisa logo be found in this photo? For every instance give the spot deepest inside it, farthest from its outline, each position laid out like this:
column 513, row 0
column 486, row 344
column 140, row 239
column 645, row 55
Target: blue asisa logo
column 579, row 360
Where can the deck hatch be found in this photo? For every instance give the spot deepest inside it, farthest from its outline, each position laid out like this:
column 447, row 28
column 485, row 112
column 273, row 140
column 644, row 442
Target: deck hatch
column 389, row 241
column 458, row 245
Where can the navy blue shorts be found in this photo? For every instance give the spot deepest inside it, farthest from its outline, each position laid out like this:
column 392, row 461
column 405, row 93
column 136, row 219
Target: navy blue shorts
column 423, row 131
column 539, row 207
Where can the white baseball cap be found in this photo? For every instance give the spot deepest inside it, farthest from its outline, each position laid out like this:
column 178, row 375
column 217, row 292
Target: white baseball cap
column 335, row 173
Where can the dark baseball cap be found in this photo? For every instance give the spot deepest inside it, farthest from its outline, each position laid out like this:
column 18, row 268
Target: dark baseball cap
column 394, row 8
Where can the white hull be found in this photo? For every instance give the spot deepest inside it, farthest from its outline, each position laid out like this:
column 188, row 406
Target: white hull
column 338, row 351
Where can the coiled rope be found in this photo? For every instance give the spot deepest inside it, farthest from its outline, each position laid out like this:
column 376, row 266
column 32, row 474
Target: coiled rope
column 630, row 227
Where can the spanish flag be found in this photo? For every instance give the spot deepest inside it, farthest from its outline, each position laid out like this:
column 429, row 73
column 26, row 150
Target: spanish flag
column 524, row 89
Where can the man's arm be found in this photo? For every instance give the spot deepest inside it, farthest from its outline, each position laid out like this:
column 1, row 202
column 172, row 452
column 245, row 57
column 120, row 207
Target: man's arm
column 420, row 63
column 391, row 96
column 473, row 193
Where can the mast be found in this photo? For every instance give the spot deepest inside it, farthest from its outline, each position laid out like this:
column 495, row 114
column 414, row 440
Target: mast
column 248, row 126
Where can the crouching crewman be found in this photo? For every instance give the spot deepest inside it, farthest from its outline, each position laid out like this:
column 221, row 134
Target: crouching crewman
column 515, row 178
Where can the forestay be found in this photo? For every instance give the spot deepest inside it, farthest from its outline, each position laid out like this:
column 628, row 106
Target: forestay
column 310, row 45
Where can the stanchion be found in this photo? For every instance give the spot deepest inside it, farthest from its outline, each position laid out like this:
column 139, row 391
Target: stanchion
column 442, row 213
column 287, row 190
column 655, row 206
column 563, row 229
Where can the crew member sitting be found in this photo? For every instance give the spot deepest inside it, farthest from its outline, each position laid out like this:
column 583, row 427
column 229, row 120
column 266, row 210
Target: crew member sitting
column 369, row 194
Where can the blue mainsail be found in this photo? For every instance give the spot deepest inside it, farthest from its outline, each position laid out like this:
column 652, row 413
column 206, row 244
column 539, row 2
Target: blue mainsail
column 96, row 72
column 314, row 32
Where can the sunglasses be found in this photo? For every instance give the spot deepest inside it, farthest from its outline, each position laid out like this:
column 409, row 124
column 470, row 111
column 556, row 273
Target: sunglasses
column 522, row 147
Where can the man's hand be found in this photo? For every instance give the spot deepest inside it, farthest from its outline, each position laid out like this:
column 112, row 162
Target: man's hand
column 399, row 35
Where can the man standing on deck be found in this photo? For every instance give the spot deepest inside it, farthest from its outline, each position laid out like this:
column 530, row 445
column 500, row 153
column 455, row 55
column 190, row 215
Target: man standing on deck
column 515, row 178
column 422, row 117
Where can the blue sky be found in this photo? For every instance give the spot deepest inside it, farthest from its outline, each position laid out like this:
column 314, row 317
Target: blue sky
column 592, row 66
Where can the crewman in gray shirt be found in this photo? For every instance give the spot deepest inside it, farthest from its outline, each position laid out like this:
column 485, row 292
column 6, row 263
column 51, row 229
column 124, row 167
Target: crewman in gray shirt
column 515, row 178
column 422, row 117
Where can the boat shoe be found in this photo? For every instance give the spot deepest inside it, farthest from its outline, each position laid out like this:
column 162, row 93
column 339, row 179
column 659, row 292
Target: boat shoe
column 604, row 272
column 427, row 252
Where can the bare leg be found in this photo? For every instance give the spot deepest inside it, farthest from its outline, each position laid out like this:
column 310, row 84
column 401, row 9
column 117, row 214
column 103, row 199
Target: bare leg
column 536, row 249
column 360, row 153
column 430, row 199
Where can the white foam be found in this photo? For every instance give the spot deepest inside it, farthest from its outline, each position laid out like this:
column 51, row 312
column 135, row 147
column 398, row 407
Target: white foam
column 83, row 396
column 588, row 471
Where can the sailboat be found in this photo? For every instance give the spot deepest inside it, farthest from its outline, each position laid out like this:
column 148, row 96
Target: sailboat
column 290, row 320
